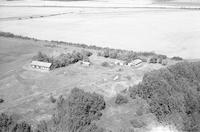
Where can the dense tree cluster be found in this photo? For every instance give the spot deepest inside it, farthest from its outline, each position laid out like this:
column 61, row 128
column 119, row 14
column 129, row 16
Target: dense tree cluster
column 173, row 94
column 63, row 59
column 120, row 99
column 105, row 64
column 9, row 124
column 1, row 100
column 126, row 55
column 177, row 58
column 78, row 111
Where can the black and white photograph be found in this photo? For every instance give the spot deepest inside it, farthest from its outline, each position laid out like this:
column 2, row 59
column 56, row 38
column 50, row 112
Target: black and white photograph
column 99, row 65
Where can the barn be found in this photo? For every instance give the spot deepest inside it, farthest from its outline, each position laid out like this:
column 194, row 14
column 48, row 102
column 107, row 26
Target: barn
column 41, row 65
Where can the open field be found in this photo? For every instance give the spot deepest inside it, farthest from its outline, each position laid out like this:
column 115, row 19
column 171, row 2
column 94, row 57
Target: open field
column 172, row 32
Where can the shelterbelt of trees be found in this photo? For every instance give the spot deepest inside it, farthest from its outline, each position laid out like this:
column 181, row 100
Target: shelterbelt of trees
column 173, row 94
column 63, row 59
column 125, row 55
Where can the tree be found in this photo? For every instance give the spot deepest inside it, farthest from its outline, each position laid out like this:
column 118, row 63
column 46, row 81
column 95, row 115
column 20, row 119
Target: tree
column 78, row 111
column 9, row 124
column 173, row 92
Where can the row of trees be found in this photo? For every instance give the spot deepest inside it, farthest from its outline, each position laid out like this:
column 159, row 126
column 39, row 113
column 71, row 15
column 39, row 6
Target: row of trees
column 63, row 59
column 76, row 113
column 127, row 55
column 173, row 94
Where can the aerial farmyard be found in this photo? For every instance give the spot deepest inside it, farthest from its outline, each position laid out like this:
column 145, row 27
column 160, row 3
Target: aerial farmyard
column 99, row 66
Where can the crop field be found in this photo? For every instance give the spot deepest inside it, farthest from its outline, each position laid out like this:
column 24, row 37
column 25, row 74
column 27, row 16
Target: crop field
column 173, row 32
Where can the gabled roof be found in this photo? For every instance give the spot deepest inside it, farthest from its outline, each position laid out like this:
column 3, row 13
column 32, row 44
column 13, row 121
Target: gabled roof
column 136, row 61
column 41, row 63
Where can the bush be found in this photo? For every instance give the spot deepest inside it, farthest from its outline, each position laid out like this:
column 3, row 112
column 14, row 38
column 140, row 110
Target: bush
column 174, row 91
column 105, row 64
column 1, row 100
column 133, row 92
column 86, row 53
column 78, row 111
column 43, row 126
column 177, row 58
column 162, row 57
column 22, row 127
column 128, row 77
column 120, row 99
column 9, row 124
column 52, row 99
column 136, row 123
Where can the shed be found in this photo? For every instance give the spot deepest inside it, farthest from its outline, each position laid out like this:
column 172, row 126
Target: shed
column 85, row 63
column 135, row 62
column 41, row 65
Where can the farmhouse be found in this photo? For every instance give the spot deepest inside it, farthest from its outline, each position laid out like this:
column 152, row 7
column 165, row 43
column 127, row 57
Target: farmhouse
column 135, row 62
column 153, row 60
column 41, row 65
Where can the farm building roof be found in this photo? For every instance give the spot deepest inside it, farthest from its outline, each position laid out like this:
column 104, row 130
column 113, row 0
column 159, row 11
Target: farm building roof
column 41, row 63
column 136, row 61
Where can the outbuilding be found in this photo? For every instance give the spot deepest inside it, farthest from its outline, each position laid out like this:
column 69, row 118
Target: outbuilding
column 85, row 63
column 41, row 65
column 135, row 62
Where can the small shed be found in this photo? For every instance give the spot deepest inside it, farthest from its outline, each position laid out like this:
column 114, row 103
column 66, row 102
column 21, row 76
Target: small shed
column 85, row 63
column 41, row 65
column 135, row 62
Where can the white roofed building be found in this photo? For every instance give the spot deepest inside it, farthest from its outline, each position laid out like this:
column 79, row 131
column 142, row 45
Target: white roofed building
column 41, row 65
column 85, row 63
column 135, row 62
